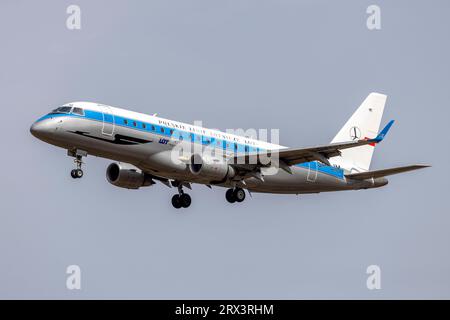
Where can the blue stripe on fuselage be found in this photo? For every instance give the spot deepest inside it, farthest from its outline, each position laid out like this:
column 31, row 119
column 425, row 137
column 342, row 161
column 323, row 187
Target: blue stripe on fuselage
column 333, row 171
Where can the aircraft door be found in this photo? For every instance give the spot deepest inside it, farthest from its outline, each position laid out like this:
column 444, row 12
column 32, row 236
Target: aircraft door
column 312, row 171
column 108, row 121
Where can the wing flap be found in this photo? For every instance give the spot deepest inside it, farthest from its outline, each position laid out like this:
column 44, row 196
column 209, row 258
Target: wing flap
column 320, row 153
column 291, row 156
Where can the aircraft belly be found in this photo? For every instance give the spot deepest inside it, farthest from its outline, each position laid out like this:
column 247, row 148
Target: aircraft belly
column 300, row 181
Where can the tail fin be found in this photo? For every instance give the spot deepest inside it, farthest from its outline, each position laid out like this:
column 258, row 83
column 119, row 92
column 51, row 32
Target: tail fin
column 364, row 123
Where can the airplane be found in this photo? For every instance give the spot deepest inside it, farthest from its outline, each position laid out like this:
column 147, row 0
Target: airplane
column 146, row 150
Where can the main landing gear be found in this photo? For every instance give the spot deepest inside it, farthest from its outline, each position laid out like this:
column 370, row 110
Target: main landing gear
column 76, row 173
column 235, row 195
column 181, row 200
column 78, row 154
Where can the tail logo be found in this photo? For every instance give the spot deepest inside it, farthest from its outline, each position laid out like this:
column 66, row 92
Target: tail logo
column 355, row 133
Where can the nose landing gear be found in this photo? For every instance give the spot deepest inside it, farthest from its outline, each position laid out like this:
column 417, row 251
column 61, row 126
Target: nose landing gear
column 78, row 154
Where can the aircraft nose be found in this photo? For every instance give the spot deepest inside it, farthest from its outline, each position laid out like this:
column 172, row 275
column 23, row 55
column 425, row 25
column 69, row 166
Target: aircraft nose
column 40, row 129
column 35, row 128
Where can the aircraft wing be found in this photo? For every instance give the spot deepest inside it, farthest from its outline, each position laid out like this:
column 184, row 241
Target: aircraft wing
column 385, row 172
column 291, row 156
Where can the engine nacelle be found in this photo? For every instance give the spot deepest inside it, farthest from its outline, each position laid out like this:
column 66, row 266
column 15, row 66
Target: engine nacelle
column 210, row 168
column 127, row 176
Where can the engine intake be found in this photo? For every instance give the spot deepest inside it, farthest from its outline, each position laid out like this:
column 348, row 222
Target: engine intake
column 127, row 176
column 210, row 168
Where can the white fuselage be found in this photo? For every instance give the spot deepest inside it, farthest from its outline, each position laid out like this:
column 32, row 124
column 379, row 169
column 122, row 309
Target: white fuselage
column 148, row 142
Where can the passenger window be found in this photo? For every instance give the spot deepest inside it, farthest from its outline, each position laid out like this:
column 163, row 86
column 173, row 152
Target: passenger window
column 125, row 121
column 171, row 132
column 78, row 111
column 144, row 125
column 162, row 129
column 180, row 138
column 153, row 128
column 134, row 123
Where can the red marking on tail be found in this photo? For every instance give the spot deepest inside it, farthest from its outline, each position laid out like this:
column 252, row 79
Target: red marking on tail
column 370, row 144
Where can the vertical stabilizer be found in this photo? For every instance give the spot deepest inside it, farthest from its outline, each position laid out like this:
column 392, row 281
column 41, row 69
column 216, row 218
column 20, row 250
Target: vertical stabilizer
column 364, row 123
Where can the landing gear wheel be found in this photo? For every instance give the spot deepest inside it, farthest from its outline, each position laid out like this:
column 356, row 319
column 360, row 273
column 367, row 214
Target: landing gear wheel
column 185, row 200
column 239, row 194
column 229, row 195
column 76, row 173
column 176, row 201
column 79, row 173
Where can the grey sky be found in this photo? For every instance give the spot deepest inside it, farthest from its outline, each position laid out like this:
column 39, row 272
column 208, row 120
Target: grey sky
column 301, row 66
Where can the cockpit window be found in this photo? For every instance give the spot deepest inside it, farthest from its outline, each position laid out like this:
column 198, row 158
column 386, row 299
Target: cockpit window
column 78, row 111
column 62, row 110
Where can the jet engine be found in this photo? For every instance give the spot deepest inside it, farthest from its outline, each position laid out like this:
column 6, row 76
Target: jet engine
column 211, row 168
column 127, row 176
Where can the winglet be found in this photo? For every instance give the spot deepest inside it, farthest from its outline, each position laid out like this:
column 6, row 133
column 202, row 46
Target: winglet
column 382, row 133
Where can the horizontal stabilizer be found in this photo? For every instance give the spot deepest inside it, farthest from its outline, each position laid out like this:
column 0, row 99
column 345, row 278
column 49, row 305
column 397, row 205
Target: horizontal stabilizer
column 385, row 172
